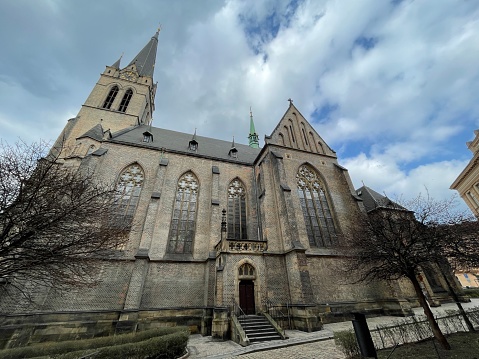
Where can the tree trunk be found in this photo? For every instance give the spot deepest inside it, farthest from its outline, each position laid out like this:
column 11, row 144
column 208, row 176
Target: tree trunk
column 456, row 299
column 429, row 315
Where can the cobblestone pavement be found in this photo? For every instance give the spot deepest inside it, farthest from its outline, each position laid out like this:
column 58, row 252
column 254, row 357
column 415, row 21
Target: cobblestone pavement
column 300, row 345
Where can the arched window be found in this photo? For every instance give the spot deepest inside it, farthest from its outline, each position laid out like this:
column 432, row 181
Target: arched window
column 246, row 270
column 128, row 191
column 236, row 210
column 183, row 222
column 125, row 100
column 111, row 97
column 315, row 207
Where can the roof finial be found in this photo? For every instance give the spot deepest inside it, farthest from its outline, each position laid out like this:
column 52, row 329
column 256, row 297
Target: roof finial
column 290, row 101
column 158, row 29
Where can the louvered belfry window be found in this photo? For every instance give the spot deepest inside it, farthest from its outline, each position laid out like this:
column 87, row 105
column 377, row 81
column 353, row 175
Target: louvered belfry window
column 111, row 97
column 316, row 210
column 128, row 189
column 183, row 222
column 236, row 210
column 125, row 101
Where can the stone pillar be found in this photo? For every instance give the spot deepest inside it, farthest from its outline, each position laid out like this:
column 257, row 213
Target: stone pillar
column 220, row 327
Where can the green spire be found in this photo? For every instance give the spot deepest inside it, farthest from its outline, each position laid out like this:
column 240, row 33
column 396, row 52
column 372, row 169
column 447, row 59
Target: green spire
column 253, row 136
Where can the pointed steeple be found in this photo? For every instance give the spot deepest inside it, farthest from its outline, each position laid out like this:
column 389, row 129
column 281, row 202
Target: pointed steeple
column 145, row 60
column 253, row 136
column 233, row 152
column 116, row 65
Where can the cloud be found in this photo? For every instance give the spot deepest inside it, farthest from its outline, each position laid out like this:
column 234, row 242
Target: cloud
column 390, row 85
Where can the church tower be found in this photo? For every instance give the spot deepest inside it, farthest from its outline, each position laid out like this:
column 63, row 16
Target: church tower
column 122, row 98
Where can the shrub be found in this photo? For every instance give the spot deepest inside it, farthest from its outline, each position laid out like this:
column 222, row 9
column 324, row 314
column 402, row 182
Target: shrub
column 165, row 347
column 346, row 341
column 54, row 349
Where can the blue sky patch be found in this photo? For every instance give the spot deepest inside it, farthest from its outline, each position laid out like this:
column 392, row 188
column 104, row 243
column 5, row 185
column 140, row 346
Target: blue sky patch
column 366, row 43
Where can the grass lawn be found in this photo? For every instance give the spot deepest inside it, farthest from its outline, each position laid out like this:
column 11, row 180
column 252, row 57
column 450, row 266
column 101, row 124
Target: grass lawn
column 464, row 346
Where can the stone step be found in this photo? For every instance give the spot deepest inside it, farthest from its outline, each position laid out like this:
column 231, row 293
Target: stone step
column 263, row 339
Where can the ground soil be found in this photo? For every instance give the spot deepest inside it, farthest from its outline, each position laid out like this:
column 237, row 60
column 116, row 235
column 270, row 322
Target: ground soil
column 464, row 346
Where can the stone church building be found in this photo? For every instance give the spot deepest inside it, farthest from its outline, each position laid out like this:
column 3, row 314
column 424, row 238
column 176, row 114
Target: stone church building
column 223, row 225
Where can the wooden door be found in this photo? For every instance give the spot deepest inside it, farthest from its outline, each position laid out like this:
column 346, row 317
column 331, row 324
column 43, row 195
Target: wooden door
column 246, row 294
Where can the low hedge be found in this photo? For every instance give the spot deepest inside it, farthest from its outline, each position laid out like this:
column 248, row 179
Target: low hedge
column 55, row 349
column 165, row 347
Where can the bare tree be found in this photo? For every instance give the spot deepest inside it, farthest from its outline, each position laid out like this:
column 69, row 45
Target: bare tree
column 56, row 223
column 402, row 241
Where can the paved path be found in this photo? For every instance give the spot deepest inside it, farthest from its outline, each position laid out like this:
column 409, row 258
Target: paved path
column 300, row 345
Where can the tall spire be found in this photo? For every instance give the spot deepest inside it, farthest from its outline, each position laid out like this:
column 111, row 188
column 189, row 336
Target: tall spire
column 253, row 136
column 145, row 60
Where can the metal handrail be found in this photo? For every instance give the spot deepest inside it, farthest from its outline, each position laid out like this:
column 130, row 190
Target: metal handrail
column 237, row 310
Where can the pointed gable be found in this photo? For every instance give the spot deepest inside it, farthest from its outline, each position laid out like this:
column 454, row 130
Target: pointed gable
column 96, row 133
column 294, row 131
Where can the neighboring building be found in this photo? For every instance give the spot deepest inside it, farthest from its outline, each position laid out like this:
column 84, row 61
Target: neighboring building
column 221, row 223
column 432, row 279
column 467, row 183
column 468, row 279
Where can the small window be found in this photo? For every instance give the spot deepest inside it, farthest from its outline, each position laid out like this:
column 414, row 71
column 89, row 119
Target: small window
column 147, row 136
column 246, row 270
column 233, row 153
column 111, row 97
column 125, row 100
column 90, row 150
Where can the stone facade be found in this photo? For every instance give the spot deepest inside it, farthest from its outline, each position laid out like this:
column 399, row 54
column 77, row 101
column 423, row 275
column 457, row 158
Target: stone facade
column 273, row 261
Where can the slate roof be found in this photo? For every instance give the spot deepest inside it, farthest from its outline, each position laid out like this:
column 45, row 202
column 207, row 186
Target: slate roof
column 145, row 60
column 95, row 133
column 373, row 200
column 179, row 142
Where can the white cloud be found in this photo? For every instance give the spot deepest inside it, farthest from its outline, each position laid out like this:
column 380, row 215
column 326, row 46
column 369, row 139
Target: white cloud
column 407, row 102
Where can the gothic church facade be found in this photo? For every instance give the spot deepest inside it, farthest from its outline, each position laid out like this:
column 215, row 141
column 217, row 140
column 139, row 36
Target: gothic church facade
column 222, row 224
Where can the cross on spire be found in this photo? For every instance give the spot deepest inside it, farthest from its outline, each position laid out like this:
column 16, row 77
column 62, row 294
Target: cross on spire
column 290, row 101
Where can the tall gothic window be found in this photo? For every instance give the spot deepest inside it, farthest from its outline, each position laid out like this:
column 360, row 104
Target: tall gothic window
column 183, row 222
column 125, row 101
column 111, row 97
column 315, row 207
column 128, row 191
column 236, row 210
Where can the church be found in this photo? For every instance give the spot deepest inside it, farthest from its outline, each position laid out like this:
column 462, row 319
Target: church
column 224, row 226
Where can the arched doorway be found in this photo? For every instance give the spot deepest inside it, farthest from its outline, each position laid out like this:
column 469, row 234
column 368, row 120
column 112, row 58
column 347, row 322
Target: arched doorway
column 246, row 276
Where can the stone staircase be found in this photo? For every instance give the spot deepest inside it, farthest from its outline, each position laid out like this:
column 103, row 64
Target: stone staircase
column 258, row 328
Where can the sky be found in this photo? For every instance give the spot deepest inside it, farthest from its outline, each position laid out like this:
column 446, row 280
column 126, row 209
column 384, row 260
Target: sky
column 391, row 86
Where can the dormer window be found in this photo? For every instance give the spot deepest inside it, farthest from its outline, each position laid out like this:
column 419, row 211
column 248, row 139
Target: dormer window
column 193, row 146
column 233, row 153
column 147, row 136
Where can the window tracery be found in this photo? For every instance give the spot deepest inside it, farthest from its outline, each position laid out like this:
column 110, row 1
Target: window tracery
column 236, row 210
column 128, row 189
column 183, row 222
column 316, row 210
column 246, row 270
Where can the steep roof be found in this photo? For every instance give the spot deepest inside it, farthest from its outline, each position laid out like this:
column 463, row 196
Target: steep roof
column 179, row 142
column 145, row 60
column 95, row 133
column 373, row 200
column 116, row 65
